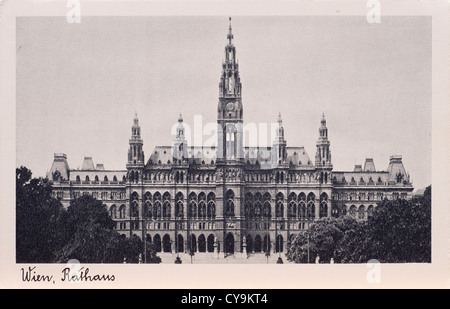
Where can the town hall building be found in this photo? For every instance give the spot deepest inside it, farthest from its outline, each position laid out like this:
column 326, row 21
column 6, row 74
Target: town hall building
column 228, row 199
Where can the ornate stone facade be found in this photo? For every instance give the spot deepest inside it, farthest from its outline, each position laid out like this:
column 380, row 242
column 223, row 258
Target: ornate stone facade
column 228, row 198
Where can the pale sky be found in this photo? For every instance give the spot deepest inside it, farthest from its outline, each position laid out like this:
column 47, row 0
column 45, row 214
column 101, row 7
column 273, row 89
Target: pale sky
column 79, row 85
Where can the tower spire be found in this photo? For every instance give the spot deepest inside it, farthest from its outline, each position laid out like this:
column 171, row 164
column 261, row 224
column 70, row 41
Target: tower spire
column 279, row 144
column 179, row 147
column 230, row 111
column 230, row 83
column 135, row 152
column 323, row 154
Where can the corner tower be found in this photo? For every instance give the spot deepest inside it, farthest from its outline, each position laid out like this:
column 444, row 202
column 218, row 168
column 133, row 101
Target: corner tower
column 323, row 153
column 135, row 152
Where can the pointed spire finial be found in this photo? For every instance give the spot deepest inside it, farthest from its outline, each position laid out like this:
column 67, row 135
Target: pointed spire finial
column 135, row 120
column 279, row 117
column 180, row 118
column 323, row 121
column 230, row 34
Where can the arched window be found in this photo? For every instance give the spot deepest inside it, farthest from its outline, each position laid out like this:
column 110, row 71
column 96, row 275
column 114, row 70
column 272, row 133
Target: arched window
column 201, row 206
column 147, row 209
column 96, row 178
column 166, row 205
column 229, row 203
column 157, row 205
column 105, row 178
column 122, row 211
column 87, row 178
column 292, row 208
column 249, row 211
column 352, row 211
column 370, row 210
column 311, row 208
column 192, row 206
column 302, row 206
column 114, row 178
column 179, row 206
column 134, row 204
column 343, row 210
column 134, row 209
column 361, row 212
column 211, row 206
column 113, row 212
column 78, row 178
column 267, row 212
column 267, row 208
column 280, row 205
column 258, row 205
column 323, row 210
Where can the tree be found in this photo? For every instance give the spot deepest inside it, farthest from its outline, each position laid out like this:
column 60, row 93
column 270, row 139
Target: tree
column 400, row 230
column 325, row 236
column 353, row 245
column 90, row 236
column 88, row 233
column 37, row 219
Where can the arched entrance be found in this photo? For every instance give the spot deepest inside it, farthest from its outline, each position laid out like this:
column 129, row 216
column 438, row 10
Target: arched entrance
column 167, row 247
column 180, row 244
column 266, row 244
column 257, row 245
column 193, row 244
column 249, row 241
column 279, row 244
column 157, row 242
column 201, row 243
column 210, row 244
column 229, row 244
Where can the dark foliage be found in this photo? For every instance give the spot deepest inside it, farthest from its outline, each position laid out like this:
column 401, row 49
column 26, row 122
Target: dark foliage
column 47, row 233
column 398, row 232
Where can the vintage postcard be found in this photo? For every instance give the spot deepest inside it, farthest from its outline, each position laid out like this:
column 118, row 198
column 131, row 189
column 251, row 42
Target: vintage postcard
column 283, row 144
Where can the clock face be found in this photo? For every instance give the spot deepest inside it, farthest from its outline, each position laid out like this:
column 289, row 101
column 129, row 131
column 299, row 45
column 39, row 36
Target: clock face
column 230, row 106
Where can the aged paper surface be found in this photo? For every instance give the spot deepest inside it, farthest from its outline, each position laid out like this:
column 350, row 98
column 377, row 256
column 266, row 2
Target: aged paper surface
column 79, row 78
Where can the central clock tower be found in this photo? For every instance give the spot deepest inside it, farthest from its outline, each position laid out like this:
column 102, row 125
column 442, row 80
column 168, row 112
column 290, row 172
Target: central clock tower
column 230, row 154
column 230, row 111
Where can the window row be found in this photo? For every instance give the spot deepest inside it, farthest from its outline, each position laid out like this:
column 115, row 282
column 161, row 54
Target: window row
column 97, row 179
column 104, row 196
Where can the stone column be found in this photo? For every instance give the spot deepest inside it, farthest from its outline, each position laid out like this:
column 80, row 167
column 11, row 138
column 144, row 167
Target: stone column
column 244, row 246
column 216, row 249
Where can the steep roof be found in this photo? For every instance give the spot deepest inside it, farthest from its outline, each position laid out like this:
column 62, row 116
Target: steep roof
column 163, row 155
column 88, row 164
column 59, row 166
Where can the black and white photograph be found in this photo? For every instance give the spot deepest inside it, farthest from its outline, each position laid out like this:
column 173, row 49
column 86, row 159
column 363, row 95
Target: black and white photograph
column 223, row 139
